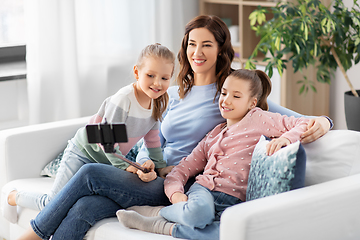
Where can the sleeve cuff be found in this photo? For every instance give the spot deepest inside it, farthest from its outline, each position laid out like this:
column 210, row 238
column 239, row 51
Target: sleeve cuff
column 331, row 122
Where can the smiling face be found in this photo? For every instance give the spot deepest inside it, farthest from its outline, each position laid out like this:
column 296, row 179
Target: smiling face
column 202, row 51
column 153, row 78
column 235, row 100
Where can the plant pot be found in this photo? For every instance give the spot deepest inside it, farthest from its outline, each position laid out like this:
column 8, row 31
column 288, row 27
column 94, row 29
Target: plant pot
column 352, row 110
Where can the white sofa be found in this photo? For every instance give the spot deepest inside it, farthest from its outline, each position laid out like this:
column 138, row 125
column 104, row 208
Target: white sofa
column 327, row 208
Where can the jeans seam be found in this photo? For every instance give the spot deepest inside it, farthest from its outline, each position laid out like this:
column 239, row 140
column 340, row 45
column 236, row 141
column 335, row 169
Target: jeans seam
column 174, row 232
column 37, row 231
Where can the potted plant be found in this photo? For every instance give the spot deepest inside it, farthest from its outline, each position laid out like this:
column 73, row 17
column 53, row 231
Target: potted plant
column 306, row 32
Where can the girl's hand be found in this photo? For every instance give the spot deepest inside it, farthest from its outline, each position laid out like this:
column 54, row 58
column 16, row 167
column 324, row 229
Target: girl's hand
column 165, row 171
column 151, row 175
column 178, row 197
column 275, row 145
column 132, row 169
column 317, row 127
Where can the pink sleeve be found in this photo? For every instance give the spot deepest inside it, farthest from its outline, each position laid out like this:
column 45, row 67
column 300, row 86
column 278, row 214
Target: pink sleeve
column 284, row 126
column 152, row 139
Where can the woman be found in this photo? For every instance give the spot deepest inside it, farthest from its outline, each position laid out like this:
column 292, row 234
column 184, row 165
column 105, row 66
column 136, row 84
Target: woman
column 205, row 57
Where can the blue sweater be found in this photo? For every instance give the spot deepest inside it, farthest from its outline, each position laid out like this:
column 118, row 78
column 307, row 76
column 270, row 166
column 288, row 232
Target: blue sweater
column 188, row 120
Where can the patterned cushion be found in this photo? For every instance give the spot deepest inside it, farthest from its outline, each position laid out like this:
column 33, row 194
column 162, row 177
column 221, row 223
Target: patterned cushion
column 281, row 172
column 52, row 167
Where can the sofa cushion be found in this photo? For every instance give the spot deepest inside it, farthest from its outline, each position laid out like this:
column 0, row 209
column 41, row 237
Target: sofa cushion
column 280, row 172
column 334, row 155
column 112, row 229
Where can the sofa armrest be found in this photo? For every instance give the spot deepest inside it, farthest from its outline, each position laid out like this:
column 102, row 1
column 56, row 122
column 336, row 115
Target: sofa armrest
column 26, row 150
column 328, row 210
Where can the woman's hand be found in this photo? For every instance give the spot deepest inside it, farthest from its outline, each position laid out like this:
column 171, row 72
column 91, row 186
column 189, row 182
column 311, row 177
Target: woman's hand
column 165, row 171
column 275, row 145
column 317, row 127
column 178, row 197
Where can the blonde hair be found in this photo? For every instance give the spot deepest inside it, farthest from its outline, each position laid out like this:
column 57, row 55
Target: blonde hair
column 157, row 51
column 260, row 86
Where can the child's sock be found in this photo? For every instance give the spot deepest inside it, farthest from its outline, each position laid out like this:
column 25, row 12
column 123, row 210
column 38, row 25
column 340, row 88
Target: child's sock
column 132, row 219
column 147, row 211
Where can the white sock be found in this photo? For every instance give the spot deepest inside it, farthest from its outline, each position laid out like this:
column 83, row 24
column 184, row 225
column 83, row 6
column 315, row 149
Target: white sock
column 9, row 212
column 132, row 219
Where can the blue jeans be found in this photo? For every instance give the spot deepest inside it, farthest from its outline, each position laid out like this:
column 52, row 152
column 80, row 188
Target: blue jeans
column 199, row 217
column 95, row 192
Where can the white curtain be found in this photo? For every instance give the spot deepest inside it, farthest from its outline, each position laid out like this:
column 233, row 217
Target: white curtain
column 81, row 51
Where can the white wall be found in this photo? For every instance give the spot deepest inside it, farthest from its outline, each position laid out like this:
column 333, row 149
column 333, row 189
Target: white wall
column 13, row 104
column 339, row 86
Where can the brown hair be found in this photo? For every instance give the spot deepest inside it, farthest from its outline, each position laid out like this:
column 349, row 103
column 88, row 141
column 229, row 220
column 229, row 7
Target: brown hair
column 158, row 51
column 218, row 28
column 260, row 86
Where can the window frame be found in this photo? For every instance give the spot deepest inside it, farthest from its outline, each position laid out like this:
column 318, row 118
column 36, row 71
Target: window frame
column 12, row 62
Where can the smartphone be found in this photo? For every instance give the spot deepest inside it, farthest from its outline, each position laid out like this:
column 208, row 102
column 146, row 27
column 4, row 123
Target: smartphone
column 106, row 133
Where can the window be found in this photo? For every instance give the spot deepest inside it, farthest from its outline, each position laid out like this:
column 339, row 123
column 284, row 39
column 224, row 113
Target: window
column 12, row 40
column 12, row 23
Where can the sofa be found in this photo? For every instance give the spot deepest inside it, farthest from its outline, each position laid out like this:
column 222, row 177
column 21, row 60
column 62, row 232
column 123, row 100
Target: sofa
column 328, row 207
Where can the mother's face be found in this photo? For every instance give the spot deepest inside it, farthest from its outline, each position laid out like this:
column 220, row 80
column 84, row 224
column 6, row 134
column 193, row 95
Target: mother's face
column 202, row 51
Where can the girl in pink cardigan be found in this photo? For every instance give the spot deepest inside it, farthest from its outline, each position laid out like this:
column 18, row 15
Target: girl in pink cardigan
column 221, row 161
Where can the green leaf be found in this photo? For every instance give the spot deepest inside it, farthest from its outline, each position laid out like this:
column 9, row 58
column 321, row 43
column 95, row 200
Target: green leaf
column 328, row 26
column 253, row 18
column 302, row 89
column 323, row 23
column 313, row 88
column 261, row 18
column 277, row 43
column 270, row 72
column 250, row 65
column 297, row 48
column 357, row 58
column 279, row 67
column 357, row 41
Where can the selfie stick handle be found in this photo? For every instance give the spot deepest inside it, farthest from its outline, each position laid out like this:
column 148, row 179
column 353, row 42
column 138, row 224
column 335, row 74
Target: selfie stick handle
column 145, row 170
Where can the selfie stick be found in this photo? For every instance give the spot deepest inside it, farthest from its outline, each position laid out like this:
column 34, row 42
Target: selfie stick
column 145, row 170
column 107, row 135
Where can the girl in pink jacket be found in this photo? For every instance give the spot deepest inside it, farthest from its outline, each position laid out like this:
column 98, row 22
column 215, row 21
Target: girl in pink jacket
column 221, row 161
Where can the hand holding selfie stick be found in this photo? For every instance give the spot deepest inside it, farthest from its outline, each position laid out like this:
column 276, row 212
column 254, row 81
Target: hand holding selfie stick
column 145, row 170
column 109, row 134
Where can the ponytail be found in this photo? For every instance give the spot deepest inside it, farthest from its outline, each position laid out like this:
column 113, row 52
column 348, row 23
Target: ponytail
column 260, row 86
column 266, row 89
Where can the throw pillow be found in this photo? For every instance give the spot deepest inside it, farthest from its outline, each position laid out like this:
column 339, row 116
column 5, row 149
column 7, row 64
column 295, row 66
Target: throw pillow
column 52, row 167
column 280, row 172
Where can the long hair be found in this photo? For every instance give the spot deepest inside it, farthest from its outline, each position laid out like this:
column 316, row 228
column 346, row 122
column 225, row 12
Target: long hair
column 218, row 28
column 158, row 51
column 260, row 85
